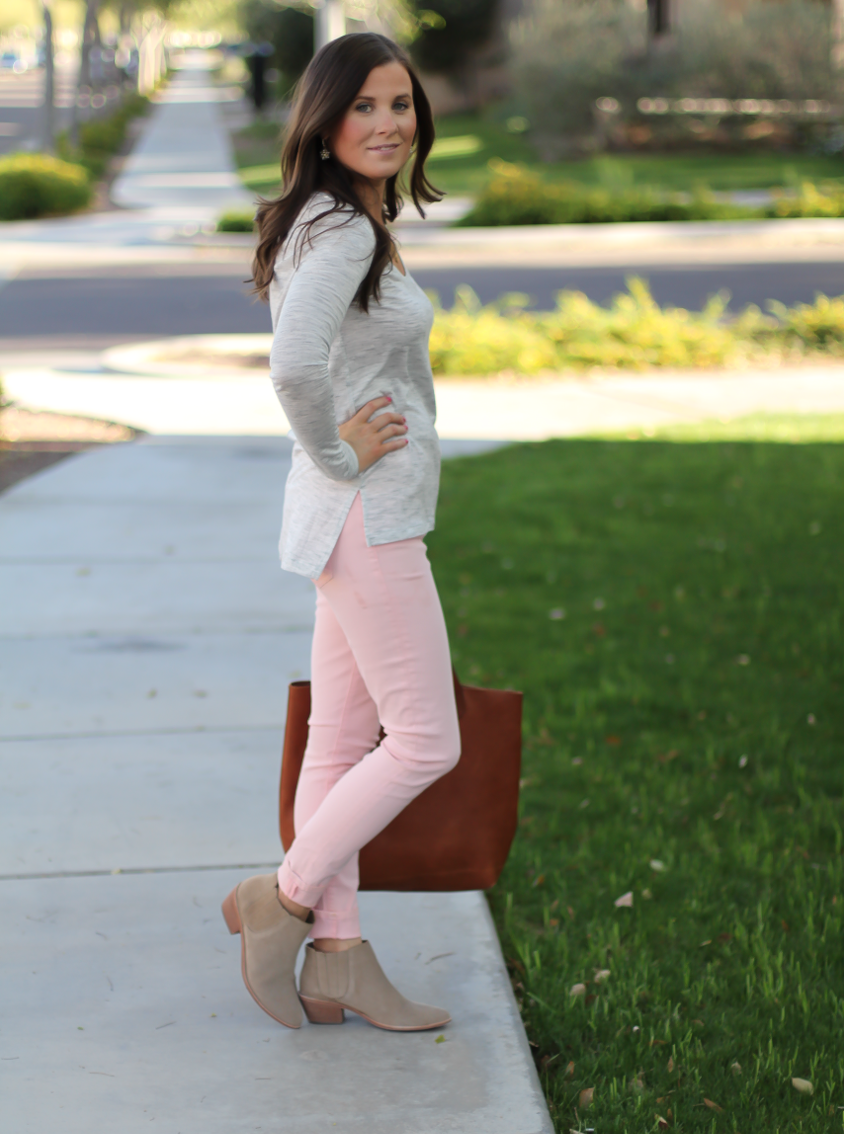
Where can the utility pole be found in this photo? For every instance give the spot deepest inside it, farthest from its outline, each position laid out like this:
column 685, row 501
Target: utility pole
column 47, row 128
column 329, row 21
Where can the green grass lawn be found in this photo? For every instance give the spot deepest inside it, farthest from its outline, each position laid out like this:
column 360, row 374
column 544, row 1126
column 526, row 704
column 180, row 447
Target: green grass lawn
column 464, row 170
column 672, row 609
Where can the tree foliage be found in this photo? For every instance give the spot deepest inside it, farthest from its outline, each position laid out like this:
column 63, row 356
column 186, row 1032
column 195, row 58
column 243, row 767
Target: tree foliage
column 289, row 30
column 449, row 30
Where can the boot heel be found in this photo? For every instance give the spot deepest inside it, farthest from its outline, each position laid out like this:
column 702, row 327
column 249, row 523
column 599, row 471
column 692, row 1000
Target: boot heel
column 322, row 1011
column 230, row 913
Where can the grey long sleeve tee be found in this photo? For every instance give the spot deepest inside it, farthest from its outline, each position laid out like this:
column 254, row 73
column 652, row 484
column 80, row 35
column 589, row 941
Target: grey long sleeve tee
column 327, row 360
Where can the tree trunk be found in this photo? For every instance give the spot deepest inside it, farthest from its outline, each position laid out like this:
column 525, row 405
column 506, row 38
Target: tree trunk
column 659, row 18
column 329, row 22
column 47, row 128
column 837, row 35
column 90, row 36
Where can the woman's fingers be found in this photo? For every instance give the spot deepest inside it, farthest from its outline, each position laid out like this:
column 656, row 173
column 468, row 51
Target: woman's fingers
column 366, row 412
column 393, row 429
column 372, row 433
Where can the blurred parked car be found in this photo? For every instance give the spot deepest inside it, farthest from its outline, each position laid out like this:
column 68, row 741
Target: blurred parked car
column 11, row 61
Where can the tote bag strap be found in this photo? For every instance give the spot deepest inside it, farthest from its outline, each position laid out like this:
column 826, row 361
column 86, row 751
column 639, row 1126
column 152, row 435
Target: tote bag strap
column 459, row 695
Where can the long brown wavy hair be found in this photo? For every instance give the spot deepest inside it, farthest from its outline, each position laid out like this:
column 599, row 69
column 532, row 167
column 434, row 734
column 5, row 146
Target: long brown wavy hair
column 323, row 95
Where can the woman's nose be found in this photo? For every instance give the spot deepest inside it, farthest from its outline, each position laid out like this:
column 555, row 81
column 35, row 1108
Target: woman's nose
column 386, row 123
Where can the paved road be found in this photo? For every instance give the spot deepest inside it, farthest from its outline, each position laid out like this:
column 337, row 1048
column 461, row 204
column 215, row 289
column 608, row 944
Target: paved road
column 140, row 302
column 129, row 305
column 21, row 112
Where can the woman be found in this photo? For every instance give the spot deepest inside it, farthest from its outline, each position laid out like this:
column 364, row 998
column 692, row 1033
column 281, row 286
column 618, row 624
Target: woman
column 350, row 365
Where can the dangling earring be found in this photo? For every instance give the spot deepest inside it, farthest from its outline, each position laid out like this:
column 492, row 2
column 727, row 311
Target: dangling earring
column 324, row 153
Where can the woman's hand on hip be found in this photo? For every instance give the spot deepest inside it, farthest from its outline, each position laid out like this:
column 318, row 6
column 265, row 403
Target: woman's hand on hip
column 371, row 440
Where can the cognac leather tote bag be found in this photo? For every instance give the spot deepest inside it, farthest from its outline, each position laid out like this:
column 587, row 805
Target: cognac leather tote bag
column 456, row 835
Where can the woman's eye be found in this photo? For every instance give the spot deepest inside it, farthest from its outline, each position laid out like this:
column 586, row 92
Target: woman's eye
column 402, row 106
column 362, row 106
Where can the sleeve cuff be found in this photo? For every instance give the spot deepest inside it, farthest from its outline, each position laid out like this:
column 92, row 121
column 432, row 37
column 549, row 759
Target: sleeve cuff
column 352, row 457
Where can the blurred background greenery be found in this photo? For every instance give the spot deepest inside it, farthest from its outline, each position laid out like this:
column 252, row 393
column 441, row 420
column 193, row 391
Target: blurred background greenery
column 733, row 97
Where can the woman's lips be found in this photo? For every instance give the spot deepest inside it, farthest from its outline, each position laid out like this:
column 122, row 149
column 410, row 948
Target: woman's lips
column 386, row 149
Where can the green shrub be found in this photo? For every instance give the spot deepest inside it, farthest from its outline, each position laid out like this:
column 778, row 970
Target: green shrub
column 633, row 333
column 471, row 339
column 236, row 222
column 37, row 185
column 814, row 326
column 516, row 196
column 101, row 138
column 810, row 201
column 103, row 134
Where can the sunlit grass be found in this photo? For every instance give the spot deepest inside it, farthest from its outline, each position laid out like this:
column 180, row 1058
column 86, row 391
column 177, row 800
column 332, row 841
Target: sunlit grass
column 672, row 610
column 793, row 429
column 467, row 143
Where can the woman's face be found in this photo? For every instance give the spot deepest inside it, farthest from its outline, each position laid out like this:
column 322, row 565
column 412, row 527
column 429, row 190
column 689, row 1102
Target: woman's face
column 374, row 138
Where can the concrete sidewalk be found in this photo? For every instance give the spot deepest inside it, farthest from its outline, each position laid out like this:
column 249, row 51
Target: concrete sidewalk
column 173, row 186
column 148, row 637
column 184, row 156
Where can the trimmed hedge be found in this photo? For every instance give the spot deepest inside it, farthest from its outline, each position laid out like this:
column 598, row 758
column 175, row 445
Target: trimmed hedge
column 632, row 333
column 810, row 201
column 236, row 222
column 516, row 196
column 101, row 138
column 38, row 185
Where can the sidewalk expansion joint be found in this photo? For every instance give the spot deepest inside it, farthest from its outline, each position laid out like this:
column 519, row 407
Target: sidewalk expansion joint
column 190, row 730
column 137, row 870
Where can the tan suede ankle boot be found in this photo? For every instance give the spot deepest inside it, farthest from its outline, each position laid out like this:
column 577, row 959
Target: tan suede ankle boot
column 353, row 979
column 270, row 942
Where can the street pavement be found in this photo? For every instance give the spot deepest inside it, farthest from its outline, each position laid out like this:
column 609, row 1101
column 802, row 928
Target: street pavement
column 21, row 106
column 170, row 299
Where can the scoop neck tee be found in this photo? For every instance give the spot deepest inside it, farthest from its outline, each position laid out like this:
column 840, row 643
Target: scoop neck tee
column 328, row 359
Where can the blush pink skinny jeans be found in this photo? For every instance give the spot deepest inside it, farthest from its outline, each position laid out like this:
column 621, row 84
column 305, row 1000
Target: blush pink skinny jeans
column 380, row 657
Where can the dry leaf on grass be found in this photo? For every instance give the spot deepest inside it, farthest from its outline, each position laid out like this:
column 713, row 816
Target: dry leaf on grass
column 803, row 1086
column 662, row 1123
column 636, row 1086
column 735, row 1068
column 626, row 900
column 569, row 1069
column 713, row 1105
column 601, row 975
column 577, row 990
column 585, row 1097
column 657, row 865
column 670, row 1064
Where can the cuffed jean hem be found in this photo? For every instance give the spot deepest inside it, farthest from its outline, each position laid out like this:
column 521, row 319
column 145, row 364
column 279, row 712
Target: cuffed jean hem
column 339, row 924
column 293, row 889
